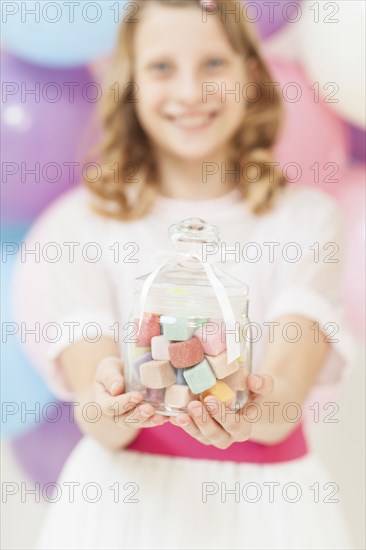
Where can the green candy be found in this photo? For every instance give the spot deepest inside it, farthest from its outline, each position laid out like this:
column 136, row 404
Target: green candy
column 200, row 377
column 176, row 328
column 200, row 321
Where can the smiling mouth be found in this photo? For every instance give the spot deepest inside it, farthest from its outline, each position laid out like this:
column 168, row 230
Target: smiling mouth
column 193, row 122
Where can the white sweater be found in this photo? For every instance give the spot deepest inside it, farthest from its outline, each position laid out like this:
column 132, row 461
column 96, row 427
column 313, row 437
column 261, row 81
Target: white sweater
column 291, row 258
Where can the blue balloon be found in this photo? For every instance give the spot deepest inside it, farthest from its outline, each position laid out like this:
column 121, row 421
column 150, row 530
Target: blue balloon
column 22, row 389
column 62, row 34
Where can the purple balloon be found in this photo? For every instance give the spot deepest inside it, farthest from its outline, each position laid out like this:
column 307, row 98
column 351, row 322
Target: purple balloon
column 357, row 138
column 271, row 15
column 42, row 451
column 43, row 133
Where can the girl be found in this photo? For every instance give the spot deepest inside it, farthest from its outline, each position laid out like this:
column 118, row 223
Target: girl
column 177, row 134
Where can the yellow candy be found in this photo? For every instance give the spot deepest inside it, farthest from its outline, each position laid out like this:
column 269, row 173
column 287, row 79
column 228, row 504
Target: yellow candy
column 176, row 291
column 137, row 352
column 219, row 390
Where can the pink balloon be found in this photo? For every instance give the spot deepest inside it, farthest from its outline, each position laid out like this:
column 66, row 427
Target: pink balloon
column 314, row 143
column 352, row 201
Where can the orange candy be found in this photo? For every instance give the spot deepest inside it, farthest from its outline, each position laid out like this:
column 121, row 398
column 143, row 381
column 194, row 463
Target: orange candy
column 221, row 391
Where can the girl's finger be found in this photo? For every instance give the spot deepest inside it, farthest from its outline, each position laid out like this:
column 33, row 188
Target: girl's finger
column 233, row 422
column 261, row 384
column 158, row 420
column 186, row 423
column 120, row 404
column 142, row 416
column 109, row 374
column 207, row 425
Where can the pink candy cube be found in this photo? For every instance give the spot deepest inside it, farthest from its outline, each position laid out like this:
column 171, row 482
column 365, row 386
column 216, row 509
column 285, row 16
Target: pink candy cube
column 154, row 396
column 186, row 354
column 157, row 374
column 159, row 348
column 178, row 396
column 237, row 380
column 212, row 337
column 150, row 327
column 219, row 365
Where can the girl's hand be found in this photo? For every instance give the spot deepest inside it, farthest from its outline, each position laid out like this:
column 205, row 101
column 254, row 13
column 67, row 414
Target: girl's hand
column 126, row 409
column 213, row 423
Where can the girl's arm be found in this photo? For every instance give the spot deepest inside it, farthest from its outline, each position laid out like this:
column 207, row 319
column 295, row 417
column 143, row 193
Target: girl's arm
column 294, row 367
column 94, row 374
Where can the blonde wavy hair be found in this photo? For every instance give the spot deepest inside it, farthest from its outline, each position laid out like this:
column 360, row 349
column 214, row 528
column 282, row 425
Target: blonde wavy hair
column 125, row 145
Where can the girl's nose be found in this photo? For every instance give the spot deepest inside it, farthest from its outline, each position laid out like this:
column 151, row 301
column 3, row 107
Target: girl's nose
column 189, row 88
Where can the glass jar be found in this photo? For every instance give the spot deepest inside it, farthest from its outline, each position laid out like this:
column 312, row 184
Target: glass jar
column 188, row 335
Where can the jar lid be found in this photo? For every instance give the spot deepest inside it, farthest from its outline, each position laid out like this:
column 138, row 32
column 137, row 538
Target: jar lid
column 186, row 267
column 191, row 232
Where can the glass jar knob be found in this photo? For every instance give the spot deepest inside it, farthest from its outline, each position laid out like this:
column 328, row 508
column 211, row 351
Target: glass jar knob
column 192, row 233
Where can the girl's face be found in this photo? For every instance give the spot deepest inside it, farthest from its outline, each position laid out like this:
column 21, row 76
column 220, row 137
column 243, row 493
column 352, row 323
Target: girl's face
column 178, row 56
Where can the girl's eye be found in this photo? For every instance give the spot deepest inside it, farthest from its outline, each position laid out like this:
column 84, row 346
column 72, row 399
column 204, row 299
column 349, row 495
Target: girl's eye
column 161, row 67
column 213, row 63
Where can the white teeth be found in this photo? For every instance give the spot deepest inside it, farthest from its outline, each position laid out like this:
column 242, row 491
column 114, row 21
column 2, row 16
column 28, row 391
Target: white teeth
column 193, row 122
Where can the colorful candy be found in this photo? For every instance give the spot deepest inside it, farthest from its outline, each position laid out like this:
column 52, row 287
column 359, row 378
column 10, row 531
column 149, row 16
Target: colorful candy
column 237, row 380
column 178, row 359
column 199, row 321
column 220, row 366
column 176, row 328
column 155, row 395
column 186, row 354
column 180, row 377
column 157, row 374
column 221, row 391
column 149, row 327
column 200, row 377
column 137, row 352
column 178, row 395
column 212, row 337
column 159, row 348
column 139, row 361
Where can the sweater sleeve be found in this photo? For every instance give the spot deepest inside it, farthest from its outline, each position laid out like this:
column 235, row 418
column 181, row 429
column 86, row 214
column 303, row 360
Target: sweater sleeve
column 308, row 282
column 61, row 287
